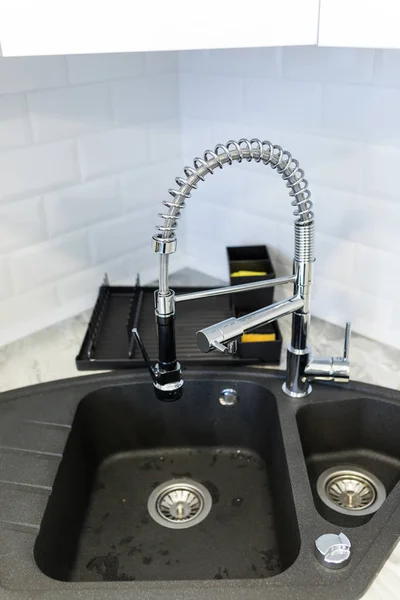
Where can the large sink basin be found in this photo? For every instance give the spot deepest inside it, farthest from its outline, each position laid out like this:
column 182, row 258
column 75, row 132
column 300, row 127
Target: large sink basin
column 80, row 460
column 124, row 443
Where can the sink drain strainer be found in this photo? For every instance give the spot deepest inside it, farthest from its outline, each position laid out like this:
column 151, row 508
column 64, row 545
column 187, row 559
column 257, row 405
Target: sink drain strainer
column 179, row 503
column 351, row 491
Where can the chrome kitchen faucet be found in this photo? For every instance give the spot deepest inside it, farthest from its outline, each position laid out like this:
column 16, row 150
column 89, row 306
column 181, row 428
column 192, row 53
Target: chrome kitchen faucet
column 302, row 367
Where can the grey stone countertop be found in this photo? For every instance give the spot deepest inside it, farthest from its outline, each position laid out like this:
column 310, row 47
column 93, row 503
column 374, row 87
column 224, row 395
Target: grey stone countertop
column 49, row 355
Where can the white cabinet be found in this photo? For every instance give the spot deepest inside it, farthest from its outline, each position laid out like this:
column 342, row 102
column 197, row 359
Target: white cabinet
column 360, row 23
column 34, row 27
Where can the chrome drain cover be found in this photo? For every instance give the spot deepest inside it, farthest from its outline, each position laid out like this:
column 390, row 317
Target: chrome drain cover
column 354, row 493
column 179, row 503
column 350, row 490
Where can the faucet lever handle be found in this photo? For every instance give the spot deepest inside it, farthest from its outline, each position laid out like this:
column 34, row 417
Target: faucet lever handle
column 331, row 368
column 143, row 350
column 347, row 337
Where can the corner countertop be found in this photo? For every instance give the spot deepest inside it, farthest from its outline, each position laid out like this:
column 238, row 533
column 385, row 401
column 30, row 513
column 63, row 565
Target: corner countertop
column 49, row 355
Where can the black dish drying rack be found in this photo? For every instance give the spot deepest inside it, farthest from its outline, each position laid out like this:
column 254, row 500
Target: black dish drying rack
column 109, row 343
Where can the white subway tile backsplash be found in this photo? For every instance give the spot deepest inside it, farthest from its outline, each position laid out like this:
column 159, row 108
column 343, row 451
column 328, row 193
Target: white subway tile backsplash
column 194, row 62
column 14, row 122
column 150, row 98
column 31, row 73
column 221, row 191
column 387, row 67
column 164, row 140
column 36, row 169
column 49, row 99
column 203, row 95
column 136, row 119
column 69, row 112
column 17, row 312
column 327, row 161
column 246, row 62
column 329, row 108
column 196, row 137
column 21, row 224
column 377, row 272
column 45, row 263
column 335, row 257
column 350, row 111
column 380, row 169
column 76, row 207
column 6, row 289
column 358, row 218
column 339, row 213
column 227, row 228
column 119, row 236
column 363, row 309
column 162, row 62
column 284, row 243
column 112, row 151
column 120, row 271
column 219, row 228
column 148, row 186
column 282, row 103
column 378, row 224
column 331, row 300
column 259, row 192
column 338, row 303
column 88, row 281
column 84, row 68
column 213, row 257
column 312, row 63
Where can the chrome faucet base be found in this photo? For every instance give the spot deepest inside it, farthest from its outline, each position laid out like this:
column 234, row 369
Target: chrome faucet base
column 293, row 394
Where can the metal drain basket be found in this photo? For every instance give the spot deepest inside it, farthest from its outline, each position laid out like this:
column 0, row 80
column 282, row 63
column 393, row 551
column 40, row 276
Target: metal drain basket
column 350, row 490
column 179, row 503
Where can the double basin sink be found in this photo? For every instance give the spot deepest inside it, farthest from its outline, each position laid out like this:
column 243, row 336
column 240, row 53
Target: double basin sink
column 201, row 498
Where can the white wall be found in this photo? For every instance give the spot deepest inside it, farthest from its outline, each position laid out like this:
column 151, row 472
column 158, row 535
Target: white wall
column 338, row 112
column 88, row 147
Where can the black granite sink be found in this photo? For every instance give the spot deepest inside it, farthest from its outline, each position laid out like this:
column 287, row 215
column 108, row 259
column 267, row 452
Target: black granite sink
column 80, row 458
column 123, row 444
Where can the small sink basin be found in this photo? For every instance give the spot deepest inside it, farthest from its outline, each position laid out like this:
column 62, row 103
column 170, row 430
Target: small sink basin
column 361, row 434
column 124, row 445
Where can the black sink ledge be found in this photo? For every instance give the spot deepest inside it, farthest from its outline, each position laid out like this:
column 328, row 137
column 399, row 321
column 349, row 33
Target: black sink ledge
column 34, row 427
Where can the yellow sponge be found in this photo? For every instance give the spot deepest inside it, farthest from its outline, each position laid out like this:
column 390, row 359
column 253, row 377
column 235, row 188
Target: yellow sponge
column 247, row 273
column 258, row 337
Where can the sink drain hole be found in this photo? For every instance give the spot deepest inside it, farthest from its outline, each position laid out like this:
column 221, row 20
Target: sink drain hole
column 179, row 504
column 351, row 491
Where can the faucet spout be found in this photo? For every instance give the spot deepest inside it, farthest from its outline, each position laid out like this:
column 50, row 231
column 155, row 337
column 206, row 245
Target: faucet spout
column 216, row 336
column 166, row 374
column 164, row 242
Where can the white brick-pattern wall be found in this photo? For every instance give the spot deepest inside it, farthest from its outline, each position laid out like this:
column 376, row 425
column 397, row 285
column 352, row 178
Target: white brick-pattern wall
column 338, row 112
column 90, row 144
column 88, row 147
